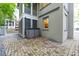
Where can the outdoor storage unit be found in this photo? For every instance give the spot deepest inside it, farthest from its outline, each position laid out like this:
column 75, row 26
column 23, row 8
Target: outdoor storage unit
column 28, row 31
column 27, row 25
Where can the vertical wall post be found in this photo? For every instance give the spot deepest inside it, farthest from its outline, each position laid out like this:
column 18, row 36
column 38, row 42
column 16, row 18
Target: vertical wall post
column 23, row 24
column 31, row 13
column 70, row 21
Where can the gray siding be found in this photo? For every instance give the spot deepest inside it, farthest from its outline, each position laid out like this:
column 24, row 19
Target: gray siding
column 65, row 23
column 55, row 28
column 70, row 21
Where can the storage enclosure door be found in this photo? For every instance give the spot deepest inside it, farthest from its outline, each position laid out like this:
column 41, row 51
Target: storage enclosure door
column 34, row 23
column 27, row 24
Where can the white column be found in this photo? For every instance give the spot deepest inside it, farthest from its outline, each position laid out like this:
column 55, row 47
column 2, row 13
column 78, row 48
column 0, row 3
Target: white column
column 23, row 24
column 31, row 13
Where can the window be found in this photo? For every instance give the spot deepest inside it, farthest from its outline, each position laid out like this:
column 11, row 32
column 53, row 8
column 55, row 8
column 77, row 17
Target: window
column 45, row 22
column 27, row 8
column 11, row 23
column 35, row 9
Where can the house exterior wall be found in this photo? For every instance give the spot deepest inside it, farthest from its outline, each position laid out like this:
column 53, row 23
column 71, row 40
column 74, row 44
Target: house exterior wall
column 55, row 25
column 60, row 21
column 65, row 31
column 65, row 21
column 70, row 21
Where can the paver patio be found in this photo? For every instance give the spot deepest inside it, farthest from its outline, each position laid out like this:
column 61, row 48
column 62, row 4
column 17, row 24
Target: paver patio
column 13, row 45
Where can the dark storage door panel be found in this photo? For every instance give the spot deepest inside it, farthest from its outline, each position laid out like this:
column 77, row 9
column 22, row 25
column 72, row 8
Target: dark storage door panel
column 34, row 23
column 27, row 24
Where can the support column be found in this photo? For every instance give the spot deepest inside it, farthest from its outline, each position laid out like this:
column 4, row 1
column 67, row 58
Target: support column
column 31, row 13
column 70, row 21
column 23, row 20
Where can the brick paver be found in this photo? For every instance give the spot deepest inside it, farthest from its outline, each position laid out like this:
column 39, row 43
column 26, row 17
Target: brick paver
column 13, row 45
